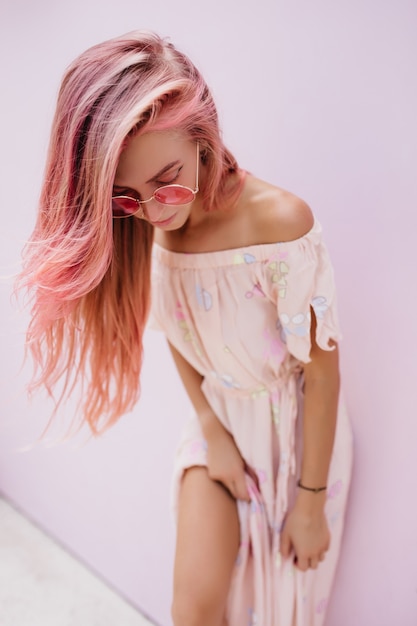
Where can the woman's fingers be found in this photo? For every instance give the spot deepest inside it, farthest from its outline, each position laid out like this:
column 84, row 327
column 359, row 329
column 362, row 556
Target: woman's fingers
column 240, row 488
column 237, row 486
column 304, row 563
column 236, row 489
column 252, row 474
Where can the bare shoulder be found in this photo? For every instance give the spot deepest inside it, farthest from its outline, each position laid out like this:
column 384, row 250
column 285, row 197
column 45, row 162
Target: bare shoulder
column 276, row 214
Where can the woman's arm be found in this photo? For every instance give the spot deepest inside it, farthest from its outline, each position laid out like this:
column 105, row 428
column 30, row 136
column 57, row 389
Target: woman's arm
column 306, row 531
column 224, row 461
column 321, row 395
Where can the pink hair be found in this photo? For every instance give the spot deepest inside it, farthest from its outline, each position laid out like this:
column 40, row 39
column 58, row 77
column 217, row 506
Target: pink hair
column 89, row 275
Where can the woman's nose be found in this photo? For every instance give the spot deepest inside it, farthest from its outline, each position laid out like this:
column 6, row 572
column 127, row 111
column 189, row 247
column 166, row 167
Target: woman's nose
column 154, row 210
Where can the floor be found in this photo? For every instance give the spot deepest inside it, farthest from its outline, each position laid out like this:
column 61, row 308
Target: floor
column 42, row 585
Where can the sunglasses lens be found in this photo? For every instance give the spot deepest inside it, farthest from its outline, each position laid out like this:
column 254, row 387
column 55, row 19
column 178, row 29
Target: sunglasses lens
column 123, row 206
column 174, row 194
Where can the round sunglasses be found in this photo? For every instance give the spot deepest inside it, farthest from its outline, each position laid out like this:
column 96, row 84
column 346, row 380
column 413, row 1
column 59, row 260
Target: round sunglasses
column 167, row 195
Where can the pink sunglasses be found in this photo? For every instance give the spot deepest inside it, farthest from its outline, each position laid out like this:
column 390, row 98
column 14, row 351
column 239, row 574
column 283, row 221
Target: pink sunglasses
column 169, row 195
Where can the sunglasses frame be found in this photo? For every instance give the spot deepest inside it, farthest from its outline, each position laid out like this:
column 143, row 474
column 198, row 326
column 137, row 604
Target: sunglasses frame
column 140, row 211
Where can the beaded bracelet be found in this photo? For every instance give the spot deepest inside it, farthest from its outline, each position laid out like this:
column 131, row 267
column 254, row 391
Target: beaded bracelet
column 314, row 489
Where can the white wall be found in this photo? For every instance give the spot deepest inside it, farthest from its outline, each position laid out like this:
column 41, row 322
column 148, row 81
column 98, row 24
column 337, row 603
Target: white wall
column 319, row 98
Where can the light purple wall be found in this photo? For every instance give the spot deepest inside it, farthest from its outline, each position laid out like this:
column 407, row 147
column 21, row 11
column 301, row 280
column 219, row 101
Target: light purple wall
column 320, row 98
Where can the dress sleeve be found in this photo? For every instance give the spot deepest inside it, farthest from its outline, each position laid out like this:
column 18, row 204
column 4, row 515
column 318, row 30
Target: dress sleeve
column 302, row 278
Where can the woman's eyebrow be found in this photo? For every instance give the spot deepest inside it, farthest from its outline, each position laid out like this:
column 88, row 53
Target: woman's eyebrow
column 162, row 171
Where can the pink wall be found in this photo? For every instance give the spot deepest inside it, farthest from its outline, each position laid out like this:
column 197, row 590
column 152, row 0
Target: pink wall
column 320, row 98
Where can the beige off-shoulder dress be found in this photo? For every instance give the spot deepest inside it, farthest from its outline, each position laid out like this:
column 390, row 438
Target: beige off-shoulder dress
column 241, row 317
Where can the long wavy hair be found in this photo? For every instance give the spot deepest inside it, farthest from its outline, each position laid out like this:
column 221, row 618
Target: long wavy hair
column 88, row 276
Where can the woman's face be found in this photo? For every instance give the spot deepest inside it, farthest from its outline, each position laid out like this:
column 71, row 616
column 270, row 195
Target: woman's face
column 151, row 161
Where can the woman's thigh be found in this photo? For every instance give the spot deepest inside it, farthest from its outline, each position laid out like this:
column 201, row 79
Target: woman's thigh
column 208, row 536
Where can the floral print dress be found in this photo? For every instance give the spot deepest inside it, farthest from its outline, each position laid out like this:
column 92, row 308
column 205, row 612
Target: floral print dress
column 241, row 318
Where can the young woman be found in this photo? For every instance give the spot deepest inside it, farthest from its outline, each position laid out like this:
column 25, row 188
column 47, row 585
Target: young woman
column 138, row 176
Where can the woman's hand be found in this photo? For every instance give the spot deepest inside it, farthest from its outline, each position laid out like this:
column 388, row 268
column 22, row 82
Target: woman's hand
column 225, row 463
column 306, row 533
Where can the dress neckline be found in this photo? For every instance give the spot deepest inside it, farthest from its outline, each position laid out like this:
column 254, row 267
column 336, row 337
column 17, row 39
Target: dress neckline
column 242, row 255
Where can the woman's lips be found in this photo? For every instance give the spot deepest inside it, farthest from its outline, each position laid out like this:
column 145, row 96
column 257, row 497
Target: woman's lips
column 165, row 222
